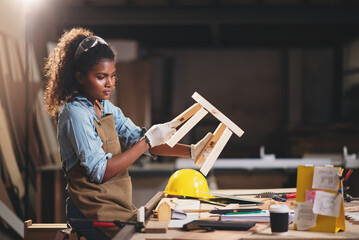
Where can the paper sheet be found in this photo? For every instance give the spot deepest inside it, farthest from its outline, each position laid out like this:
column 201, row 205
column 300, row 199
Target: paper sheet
column 326, row 178
column 304, row 216
column 327, row 204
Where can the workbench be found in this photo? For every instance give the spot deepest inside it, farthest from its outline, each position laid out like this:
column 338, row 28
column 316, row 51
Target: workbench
column 260, row 231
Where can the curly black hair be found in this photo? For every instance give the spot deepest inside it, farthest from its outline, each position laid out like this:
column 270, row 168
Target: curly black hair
column 61, row 66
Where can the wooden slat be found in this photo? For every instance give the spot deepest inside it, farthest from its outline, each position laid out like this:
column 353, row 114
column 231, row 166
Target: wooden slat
column 188, row 113
column 4, row 197
column 187, row 127
column 212, row 157
column 220, row 116
column 47, row 132
column 5, row 74
column 211, row 143
column 8, row 154
column 11, row 219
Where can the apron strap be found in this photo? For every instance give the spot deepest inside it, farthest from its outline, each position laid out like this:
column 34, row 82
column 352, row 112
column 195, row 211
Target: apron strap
column 94, row 117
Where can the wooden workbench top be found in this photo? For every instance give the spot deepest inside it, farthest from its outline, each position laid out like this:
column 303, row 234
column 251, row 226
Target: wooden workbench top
column 260, row 231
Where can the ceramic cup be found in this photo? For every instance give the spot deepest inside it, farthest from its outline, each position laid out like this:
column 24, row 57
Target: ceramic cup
column 279, row 215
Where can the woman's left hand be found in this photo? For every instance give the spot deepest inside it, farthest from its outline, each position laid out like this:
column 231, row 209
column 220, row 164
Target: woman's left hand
column 197, row 148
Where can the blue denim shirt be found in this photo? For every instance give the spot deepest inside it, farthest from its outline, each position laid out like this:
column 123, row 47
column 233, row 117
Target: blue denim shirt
column 79, row 141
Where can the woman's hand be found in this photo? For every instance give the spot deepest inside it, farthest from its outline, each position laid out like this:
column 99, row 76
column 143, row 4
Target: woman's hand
column 197, row 148
column 160, row 133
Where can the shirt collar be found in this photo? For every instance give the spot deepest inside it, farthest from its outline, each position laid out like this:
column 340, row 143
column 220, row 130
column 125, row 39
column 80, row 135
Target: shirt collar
column 86, row 101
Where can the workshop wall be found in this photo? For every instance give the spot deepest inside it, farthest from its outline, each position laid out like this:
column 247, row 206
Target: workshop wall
column 267, row 92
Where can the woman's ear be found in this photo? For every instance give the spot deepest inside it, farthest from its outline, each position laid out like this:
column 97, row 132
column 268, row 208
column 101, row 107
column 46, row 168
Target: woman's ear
column 79, row 77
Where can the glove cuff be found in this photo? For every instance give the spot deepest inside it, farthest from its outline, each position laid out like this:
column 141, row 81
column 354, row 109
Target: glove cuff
column 148, row 141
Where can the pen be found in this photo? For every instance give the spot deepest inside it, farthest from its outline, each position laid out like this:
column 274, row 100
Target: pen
column 223, row 211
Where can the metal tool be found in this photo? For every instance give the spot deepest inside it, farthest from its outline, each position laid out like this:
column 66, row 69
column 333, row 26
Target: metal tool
column 277, row 196
column 107, row 224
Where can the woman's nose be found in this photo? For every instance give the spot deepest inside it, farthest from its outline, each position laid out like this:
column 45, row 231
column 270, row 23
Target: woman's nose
column 109, row 82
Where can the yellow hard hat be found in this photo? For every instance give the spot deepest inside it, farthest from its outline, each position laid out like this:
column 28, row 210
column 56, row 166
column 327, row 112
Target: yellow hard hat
column 188, row 183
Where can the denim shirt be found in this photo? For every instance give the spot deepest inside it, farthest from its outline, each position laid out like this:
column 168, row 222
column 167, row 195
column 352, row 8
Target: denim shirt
column 79, row 141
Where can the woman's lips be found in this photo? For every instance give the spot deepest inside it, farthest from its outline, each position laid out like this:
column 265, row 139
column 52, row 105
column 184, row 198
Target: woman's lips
column 107, row 92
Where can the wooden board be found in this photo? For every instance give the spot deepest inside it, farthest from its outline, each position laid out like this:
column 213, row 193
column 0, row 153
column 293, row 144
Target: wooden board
column 47, row 132
column 216, row 113
column 212, row 157
column 187, row 127
column 188, row 113
column 11, row 219
column 4, row 197
column 211, row 143
column 7, row 151
column 219, row 234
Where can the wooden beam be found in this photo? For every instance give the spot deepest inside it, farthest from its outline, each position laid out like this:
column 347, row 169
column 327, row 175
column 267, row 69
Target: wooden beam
column 187, row 127
column 216, row 113
column 211, row 143
column 9, row 155
column 188, row 113
column 10, row 218
column 47, row 132
column 212, row 157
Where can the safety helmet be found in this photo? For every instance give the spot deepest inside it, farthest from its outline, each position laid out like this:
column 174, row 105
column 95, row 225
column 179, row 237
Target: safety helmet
column 188, row 183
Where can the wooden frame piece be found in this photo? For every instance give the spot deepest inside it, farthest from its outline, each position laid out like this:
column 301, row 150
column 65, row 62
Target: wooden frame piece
column 188, row 113
column 211, row 143
column 212, row 157
column 216, row 113
column 187, row 126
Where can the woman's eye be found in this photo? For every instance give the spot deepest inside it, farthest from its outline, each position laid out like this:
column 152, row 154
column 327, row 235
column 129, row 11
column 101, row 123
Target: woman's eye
column 100, row 77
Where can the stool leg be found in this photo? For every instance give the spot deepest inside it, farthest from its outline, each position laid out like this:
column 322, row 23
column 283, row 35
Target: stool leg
column 212, row 157
column 187, row 127
column 211, row 143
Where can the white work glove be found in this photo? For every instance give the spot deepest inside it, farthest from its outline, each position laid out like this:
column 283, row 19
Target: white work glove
column 160, row 133
column 197, row 148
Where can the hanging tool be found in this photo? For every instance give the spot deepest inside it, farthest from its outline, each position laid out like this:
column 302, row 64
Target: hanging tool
column 108, row 224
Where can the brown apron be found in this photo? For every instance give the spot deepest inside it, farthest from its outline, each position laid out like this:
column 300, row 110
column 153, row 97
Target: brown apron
column 107, row 201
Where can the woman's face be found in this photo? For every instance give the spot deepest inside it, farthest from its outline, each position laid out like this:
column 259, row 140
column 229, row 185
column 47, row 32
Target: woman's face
column 99, row 81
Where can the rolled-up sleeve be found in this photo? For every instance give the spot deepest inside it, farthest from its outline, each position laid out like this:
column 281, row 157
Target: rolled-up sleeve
column 87, row 144
column 128, row 132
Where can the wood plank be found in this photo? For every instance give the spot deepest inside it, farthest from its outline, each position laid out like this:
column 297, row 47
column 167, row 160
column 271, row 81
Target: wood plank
column 187, row 127
column 5, row 72
column 8, row 154
column 216, row 113
column 188, row 113
column 4, row 197
column 212, row 157
column 47, row 131
column 211, row 143
column 156, row 227
column 10, row 218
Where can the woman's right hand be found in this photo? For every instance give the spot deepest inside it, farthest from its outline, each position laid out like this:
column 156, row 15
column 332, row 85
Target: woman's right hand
column 160, row 133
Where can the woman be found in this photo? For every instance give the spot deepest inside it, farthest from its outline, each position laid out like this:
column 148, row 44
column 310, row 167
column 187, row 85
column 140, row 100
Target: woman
column 97, row 142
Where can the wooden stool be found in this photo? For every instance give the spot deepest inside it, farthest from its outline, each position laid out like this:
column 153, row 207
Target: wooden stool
column 222, row 134
column 56, row 231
